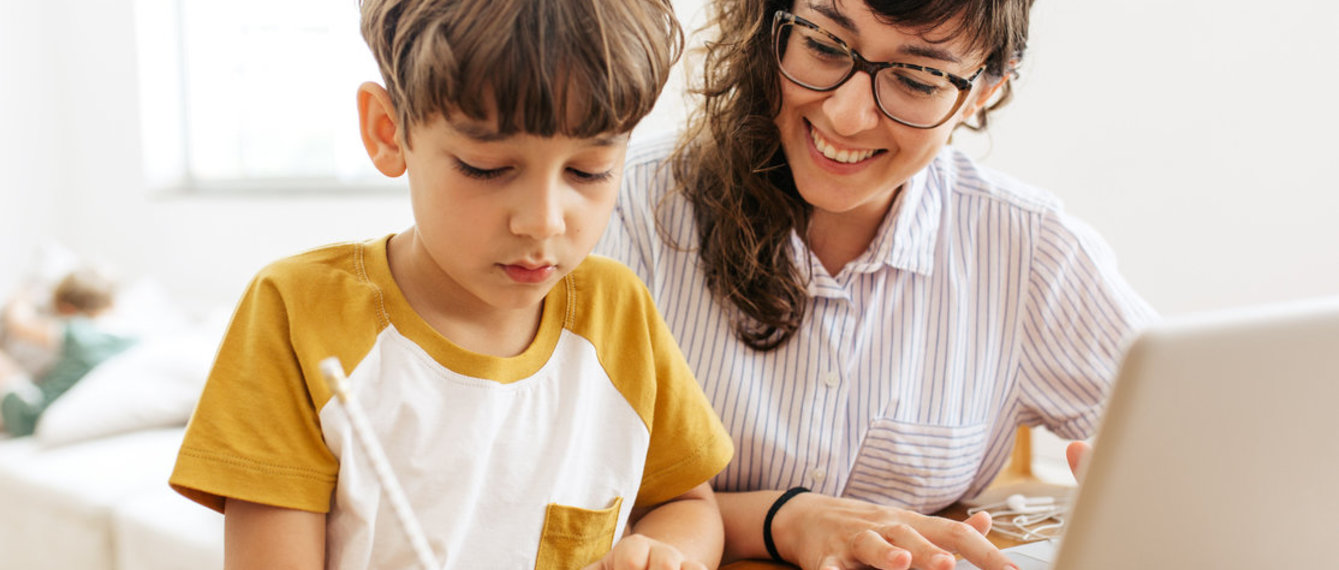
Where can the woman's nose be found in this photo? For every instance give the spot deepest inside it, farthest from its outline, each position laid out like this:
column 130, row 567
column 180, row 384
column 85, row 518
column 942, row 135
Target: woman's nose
column 851, row 108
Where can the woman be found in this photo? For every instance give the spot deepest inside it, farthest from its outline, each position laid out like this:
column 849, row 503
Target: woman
column 871, row 313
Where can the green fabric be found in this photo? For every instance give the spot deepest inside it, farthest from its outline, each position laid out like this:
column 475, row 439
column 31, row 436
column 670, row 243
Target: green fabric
column 20, row 415
column 82, row 347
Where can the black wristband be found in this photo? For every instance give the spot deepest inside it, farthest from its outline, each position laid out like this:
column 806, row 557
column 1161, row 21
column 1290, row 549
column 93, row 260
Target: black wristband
column 767, row 522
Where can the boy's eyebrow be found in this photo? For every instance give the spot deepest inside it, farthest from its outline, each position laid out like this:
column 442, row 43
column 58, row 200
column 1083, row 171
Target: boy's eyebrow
column 830, row 12
column 609, row 140
column 479, row 133
column 483, row 134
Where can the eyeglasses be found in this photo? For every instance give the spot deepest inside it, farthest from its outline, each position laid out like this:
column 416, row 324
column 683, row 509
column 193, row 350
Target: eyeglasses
column 914, row 95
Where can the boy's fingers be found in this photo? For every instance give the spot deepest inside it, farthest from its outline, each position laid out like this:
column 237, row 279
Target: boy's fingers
column 664, row 557
column 631, row 552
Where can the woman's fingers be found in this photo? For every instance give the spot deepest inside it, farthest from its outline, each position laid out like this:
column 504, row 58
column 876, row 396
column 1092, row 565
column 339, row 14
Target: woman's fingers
column 925, row 554
column 831, row 533
column 871, row 548
column 1077, row 454
column 968, row 539
column 829, row 563
column 980, row 521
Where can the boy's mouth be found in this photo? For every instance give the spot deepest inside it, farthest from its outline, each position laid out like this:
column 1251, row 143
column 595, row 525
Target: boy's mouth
column 529, row 273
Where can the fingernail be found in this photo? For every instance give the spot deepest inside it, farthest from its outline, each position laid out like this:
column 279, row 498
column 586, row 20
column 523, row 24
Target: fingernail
column 1010, row 567
column 945, row 561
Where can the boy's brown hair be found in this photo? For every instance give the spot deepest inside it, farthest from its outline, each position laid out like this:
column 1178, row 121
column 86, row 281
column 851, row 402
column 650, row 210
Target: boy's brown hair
column 578, row 68
column 86, row 291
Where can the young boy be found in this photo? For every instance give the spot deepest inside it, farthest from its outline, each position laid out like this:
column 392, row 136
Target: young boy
column 531, row 401
column 73, row 335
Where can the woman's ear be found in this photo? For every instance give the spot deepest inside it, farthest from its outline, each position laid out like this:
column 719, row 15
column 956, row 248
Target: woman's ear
column 380, row 129
column 980, row 100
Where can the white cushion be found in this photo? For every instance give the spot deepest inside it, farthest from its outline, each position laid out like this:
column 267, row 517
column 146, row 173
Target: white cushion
column 152, row 384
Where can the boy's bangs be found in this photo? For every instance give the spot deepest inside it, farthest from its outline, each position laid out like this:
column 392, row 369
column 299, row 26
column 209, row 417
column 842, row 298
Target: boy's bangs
column 578, row 69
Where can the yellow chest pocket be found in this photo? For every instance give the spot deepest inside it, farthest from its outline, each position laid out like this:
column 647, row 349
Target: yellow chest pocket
column 574, row 537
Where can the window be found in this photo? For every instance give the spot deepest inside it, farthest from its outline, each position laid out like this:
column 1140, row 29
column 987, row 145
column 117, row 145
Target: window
column 252, row 94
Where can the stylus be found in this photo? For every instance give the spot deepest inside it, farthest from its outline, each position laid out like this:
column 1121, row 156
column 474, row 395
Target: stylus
column 339, row 383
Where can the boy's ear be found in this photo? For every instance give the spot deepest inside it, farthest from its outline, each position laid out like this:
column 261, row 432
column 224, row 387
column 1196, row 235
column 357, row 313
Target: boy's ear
column 380, row 129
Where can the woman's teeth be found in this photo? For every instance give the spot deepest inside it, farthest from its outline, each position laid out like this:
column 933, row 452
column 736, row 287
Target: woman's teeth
column 843, row 156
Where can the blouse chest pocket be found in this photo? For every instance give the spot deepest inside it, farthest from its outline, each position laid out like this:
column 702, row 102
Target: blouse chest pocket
column 574, row 537
column 916, row 466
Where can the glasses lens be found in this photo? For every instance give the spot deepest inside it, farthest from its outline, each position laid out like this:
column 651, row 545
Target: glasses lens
column 915, row 96
column 810, row 57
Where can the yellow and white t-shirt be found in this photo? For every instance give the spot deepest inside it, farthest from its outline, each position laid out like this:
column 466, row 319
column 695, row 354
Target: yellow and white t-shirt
column 530, row 461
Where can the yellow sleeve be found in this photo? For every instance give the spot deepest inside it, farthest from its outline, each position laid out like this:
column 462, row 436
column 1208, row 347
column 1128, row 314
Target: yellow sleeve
column 688, row 443
column 256, row 431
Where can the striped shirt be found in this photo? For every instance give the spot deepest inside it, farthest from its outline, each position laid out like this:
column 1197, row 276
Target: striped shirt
column 979, row 305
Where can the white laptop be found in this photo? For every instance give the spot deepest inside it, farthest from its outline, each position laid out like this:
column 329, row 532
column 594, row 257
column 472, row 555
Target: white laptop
column 1219, row 449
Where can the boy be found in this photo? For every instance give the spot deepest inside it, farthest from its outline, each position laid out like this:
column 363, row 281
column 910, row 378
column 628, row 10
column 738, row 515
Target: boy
column 73, row 336
column 531, row 401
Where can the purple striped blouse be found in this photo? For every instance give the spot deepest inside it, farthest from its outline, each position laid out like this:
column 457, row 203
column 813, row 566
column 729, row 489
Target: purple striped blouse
column 979, row 305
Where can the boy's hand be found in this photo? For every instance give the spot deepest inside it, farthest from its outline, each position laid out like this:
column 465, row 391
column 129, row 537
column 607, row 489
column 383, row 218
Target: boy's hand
column 637, row 552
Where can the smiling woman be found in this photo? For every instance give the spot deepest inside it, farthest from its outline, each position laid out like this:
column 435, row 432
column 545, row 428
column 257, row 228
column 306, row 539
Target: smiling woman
column 871, row 312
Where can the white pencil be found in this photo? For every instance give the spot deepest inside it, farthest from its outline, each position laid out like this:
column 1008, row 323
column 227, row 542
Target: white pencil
column 334, row 375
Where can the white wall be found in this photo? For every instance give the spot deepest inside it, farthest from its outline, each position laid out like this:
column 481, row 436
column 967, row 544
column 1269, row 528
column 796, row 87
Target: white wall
column 1198, row 144
column 29, row 149
column 203, row 249
column 1198, row 136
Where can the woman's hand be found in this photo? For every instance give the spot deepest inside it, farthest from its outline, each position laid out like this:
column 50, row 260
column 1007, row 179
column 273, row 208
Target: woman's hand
column 819, row 532
column 1077, row 453
column 637, row 552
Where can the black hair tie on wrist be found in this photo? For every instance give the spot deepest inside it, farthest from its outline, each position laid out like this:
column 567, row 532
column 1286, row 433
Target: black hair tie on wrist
column 767, row 522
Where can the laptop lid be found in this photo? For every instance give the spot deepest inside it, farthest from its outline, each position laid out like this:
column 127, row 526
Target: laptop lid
column 1219, row 447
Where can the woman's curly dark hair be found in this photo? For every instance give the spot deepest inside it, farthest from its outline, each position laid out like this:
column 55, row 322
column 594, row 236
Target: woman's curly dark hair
column 729, row 163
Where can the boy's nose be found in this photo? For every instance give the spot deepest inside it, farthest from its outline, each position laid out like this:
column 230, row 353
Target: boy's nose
column 851, row 108
column 539, row 214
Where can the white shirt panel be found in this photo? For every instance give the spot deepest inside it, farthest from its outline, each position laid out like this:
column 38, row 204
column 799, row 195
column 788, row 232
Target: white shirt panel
column 565, row 435
column 978, row 306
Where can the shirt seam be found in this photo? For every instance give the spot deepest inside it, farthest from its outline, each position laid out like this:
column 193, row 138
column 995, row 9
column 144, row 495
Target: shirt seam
column 250, row 464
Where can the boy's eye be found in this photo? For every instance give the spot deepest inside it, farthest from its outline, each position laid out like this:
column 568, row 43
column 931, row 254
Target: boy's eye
column 591, row 177
column 478, row 173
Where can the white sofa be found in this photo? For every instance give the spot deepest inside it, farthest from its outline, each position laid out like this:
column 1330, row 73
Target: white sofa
column 101, row 504
column 88, row 491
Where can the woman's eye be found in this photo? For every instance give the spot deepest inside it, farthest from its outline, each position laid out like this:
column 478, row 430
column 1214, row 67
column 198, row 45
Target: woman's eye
column 478, row 173
column 823, row 50
column 591, row 177
column 916, row 86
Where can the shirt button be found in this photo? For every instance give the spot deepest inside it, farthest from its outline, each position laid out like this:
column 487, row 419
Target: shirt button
column 831, row 379
column 817, row 474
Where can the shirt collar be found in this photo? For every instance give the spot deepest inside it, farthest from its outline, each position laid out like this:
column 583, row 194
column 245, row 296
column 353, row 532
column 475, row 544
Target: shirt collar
column 906, row 239
column 908, row 235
